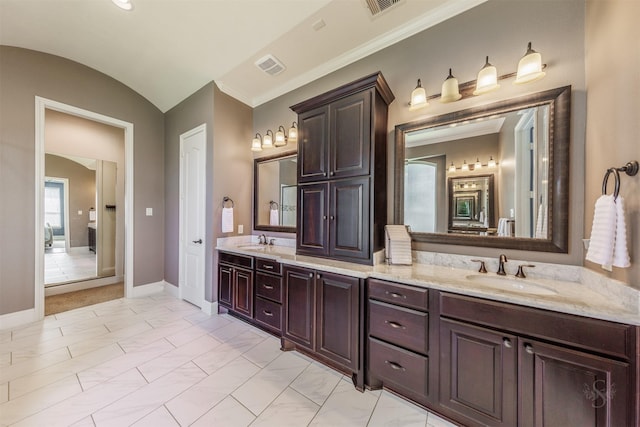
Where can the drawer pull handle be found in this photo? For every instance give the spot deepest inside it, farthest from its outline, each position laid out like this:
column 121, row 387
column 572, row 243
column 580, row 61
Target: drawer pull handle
column 528, row 348
column 395, row 325
column 267, row 286
column 267, row 313
column 395, row 366
column 395, row 294
column 268, row 267
column 506, row 342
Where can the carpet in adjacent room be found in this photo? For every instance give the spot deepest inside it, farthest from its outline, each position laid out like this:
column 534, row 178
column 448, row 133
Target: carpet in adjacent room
column 64, row 302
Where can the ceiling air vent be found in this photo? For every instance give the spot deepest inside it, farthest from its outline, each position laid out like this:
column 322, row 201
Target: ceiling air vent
column 270, row 65
column 379, row 6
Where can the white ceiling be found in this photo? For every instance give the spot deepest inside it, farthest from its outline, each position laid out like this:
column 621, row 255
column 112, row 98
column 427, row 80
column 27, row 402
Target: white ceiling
column 167, row 49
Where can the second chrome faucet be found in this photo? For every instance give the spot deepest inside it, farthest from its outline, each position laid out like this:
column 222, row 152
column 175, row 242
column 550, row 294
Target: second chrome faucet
column 501, row 260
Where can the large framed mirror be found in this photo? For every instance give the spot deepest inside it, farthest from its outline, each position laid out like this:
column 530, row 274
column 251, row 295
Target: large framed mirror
column 275, row 193
column 490, row 176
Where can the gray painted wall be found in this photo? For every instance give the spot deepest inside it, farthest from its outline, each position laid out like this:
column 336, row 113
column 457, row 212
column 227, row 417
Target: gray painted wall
column 500, row 29
column 25, row 74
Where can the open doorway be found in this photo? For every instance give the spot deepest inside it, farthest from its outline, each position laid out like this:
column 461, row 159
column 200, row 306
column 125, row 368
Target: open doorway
column 81, row 144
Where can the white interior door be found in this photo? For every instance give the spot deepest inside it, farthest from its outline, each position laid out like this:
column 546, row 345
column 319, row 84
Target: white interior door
column 192, row 215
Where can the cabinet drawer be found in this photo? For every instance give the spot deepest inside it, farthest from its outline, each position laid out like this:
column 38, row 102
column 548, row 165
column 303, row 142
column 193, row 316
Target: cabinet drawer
column 407, row 296
column 268, row 314
column 268, row 265
column 235, row 259
column 402, row 326
column 398, row 368
column 595, row 335
column 269, row 286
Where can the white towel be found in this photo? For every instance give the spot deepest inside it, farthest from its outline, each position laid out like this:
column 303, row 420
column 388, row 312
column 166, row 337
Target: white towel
column 541, row 222
column 503, row 227
column 227, row 220
column 481, row 218
column 608, row 241
column 274, row 217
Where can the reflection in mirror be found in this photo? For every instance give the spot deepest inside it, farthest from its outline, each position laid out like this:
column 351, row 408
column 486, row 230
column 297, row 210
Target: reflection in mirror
column 275, row 193
column 488, row 176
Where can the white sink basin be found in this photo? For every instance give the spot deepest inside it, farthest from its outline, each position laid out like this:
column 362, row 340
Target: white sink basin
column 252, row 247
column 511, row 284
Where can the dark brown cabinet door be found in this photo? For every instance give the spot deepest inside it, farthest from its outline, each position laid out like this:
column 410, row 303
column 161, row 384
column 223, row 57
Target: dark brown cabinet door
column 243, row 292
column 478, row 374
column 350, row 135
column 225, row 285
column 313, row 145
column 299, row 306
column 313, row 219
column 349, row 218
column 337, row 318
column 564, row 387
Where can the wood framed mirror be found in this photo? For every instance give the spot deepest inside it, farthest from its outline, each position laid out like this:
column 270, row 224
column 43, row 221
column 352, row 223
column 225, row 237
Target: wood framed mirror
column 521, row 143
column 275, row 192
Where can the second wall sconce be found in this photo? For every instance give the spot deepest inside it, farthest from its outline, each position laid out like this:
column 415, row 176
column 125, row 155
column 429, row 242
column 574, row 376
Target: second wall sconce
column 529, row 69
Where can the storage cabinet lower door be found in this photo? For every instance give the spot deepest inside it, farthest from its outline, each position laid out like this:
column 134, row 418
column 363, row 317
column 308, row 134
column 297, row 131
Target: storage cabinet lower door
column 225, row 285
column 338, row 319
column 243, row 292
column 478, row 374
column 564, row 387
column 299, row 306
column 313, row 219
column 349, row 218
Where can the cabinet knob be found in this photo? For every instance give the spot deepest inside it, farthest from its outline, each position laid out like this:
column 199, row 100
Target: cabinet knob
column 395, row 366
column 311, row 275
column 267, row 313
column 332, row 173
column 324, row 174
column 268, row 267
column 317, row 276
column 506, row 342
column 324, row 217
column 528, row 348
column 267, row 286
column 332, row 217
column 395, row 294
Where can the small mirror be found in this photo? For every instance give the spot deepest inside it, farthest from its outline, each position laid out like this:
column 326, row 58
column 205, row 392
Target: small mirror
column 275, row 193
column 493, row 176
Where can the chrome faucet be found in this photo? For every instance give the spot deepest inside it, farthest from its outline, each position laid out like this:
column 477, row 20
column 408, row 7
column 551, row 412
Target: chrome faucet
column 262, row 239
column 502, row 259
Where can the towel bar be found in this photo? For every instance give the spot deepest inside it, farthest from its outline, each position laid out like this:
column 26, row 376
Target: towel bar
column 631, row 169
column 226, row 199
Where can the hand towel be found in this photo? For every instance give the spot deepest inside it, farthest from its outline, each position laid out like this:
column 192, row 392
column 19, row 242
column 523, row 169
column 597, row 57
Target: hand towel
column 620, row 251
column 481, row 218
column 541, row 222
column 502, row 227
column 274, row 217
column 227, row 220
column 603, row 232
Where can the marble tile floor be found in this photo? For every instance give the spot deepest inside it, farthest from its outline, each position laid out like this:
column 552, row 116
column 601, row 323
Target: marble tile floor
column 63, row 267
column 159, row 361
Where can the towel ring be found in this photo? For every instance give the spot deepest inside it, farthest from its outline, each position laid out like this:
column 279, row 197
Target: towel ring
column 271, row 203
column 227, row 199
column 616, row 189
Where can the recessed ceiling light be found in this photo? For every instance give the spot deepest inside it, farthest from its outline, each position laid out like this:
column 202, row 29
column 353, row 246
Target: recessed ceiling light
column 123, row 4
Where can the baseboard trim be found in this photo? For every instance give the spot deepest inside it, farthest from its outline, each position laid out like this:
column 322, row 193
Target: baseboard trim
column 209, row 307
column 79, row 286
column 171, row 289
column 19, row 318
column 148, row 289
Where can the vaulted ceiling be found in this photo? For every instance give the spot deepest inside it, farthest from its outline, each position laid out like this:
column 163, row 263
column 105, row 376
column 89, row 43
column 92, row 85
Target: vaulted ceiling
column 167, row 49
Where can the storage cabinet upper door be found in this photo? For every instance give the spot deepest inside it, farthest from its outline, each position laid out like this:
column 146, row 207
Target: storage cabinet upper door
column 299, row 307
column 564, row 387
column 337, row 325
column 225, row 285
column 349, row 218
column 313, row 233
column 313, row 147
column 350, row 136
column 478, row 374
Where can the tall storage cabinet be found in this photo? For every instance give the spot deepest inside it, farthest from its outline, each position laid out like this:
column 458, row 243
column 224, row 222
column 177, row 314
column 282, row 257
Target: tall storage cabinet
column 342, row 171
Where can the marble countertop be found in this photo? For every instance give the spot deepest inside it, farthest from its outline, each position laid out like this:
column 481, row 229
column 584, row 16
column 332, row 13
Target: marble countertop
column 572, row 297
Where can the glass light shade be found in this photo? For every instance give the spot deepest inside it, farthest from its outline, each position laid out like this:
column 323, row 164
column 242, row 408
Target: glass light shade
column 293, row 133
column 487, row 80
column 418, row 97
column 452, row 168
column 267, row 140
column 281, row 139
column 256, row 144
column 123, row 4
column 450, row 90
column 492, row 163
column 465, row 166
column 478, row 164
column 530, row 67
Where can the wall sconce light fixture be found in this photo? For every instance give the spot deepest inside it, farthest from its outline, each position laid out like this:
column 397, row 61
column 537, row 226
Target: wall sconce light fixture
column 293, row 133
column 267, row 140
column 281, row 137
column 256, row 144
column 492, row 163
column 529, row 69
column 466, row 167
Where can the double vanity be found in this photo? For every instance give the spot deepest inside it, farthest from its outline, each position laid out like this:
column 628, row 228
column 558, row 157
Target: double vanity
column 478, row 348
column 559, row 347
